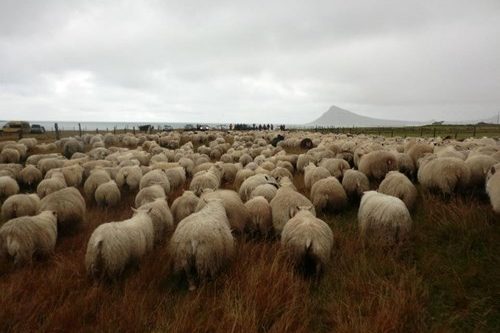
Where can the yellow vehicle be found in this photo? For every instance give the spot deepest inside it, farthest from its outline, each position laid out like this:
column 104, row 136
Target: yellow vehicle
column 17, row 126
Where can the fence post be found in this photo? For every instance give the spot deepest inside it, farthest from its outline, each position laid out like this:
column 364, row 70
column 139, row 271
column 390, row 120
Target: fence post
column 80, row 129
column 456, row 134
column 474, row 132
column 133, row 129
column 392, row 132
column 421, row 131
column 114, row 130
column 434, row 134
column 56, row 127
column 20, row 133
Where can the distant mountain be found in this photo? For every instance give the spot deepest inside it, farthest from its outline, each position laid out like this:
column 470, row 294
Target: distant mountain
column 338, row 117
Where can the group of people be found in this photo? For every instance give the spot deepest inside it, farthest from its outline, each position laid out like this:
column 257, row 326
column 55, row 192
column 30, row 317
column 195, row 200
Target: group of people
column 260, row 127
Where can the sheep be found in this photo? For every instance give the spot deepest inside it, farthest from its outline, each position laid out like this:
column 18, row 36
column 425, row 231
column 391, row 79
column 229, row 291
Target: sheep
column 210, row 179
column 11, row 169
column 107, row 194
column 129, row 176
column 445, row 174
column 69, row 205
column 261, row 219
column 267, row 191
column 149, row 194
column 26, row 236
column 252, row 182
column 8, row 186
column 202, row 243
column 55, row 183
column 155, row 177
column 279, row 172
column 72, row 146
column 46, row 164
column 113, row 245
column 328, row 193
column 335, row 166
column 312, row 174
column 237, row 214
column 10, row 155
column 241, row 176
column 399, row 186
column 384, row 219
column 284, row 204
column 73, row 174
column 161, row 217
column 355, row 183
column 176, row 177
column 30, row 175
column 377, row 164
column 19, row 205
column 493, row 188
column 479, row 166
column 308, row 241
column 418, row 150
column 184, row 205
column 406, row 165
column 96, row 178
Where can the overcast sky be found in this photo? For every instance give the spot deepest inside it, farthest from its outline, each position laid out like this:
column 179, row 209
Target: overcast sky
column 259, row 61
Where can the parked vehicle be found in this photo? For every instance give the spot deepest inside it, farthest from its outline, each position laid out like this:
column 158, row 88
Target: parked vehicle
column 189, row 127
column 37, row 129
column 168, row 128
column 16, row 127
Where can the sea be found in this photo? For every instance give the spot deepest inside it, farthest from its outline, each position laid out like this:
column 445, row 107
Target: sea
column 104, row 126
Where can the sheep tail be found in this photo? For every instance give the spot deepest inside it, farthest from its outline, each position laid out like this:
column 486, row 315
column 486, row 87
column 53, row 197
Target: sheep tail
column 12, row 245
column 99, row 262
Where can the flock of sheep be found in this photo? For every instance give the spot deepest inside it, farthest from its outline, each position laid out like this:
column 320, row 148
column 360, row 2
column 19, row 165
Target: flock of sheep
column 376, row 173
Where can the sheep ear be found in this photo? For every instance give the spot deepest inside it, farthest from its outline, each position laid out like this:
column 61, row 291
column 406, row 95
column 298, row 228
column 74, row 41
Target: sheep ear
column 493, row 170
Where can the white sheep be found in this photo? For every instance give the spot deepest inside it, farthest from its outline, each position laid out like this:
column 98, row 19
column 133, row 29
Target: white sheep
column 384, row 219
column 30, row 175
column 284, row 205
column 69, row 205
column 155, row 177
column 96, row 178
column 202, row 243
column 312, row 174
column 445, row 174
column 8, row 186
column 377, row 164
column 23, row 237
column 267, row 191
column 398, row 185
column 176, row 177
column 493, row 187
column 241, row 176
column 355, row 183
column 18, row 205
column 336, row 166
column 55, row 183
column 113, row 245
column 419, row 150
column 161, row 217
column 252, row 182
column 184, row 205
column 129, row 176
column 210, row 179
column 107, row 194
column 10, row 155
column 236, row 212
column 149, row 194
column 328, row 193
column 479, row 166
column 72, row 146
column 261, row 219
column 308, row 241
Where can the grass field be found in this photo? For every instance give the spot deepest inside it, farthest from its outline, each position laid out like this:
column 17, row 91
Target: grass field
column 445, row 280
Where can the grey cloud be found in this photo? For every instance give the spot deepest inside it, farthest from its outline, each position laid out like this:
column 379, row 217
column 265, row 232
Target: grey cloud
column 281, row 61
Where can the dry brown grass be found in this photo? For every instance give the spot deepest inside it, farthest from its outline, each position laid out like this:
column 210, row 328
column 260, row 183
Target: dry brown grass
column 445, row 279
